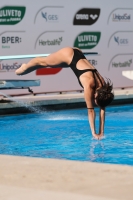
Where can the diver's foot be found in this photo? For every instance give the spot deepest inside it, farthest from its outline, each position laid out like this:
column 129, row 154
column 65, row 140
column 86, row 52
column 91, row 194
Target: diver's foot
column 21, row 70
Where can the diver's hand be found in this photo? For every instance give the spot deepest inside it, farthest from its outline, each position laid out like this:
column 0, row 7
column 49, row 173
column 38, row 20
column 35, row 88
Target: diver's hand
column 98, row 136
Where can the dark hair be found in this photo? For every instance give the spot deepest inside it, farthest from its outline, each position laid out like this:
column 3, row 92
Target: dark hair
column 104, row 94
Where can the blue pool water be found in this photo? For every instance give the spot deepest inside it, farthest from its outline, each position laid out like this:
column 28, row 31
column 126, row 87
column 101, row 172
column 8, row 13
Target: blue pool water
column 66, row 135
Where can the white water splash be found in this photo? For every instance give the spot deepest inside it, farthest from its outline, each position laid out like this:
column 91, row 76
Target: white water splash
column 65, row 118
column 24, row 104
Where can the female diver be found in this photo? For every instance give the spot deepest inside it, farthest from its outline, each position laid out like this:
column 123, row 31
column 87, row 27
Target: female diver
column 96, row 89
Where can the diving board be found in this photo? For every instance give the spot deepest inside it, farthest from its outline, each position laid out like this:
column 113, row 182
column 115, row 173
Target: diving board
column 11, row 84
column 22, row 56
column 19, row 84
column 36, row 55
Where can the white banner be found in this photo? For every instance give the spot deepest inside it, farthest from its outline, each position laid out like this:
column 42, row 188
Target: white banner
column 39, row 27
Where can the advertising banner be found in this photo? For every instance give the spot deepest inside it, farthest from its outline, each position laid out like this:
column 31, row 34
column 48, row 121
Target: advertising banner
column 43, row 27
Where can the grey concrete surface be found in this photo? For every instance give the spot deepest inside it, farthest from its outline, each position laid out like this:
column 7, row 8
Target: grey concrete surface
column 55, row 99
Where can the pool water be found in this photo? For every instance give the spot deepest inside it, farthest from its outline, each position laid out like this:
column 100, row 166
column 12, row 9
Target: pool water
column 66, row 135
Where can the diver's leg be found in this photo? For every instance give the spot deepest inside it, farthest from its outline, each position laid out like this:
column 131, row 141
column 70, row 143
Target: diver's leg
column 61, row 58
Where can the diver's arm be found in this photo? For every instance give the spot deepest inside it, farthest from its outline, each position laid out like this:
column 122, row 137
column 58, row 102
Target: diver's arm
column 91, row 118
column 101, row 121
column 88, row 94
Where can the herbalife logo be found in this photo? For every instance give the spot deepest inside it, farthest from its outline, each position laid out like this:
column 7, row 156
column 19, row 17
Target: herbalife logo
column 86, row 16
column 7, row 67
column 51, row 42
column 122, row 64
column 52, row 38
column 11, row 15
column 50, row 17
column 87, row 40
column 121, row 18
column 121, row 41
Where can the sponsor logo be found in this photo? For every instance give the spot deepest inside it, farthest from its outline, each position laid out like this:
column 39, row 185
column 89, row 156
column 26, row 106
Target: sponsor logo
column 120, row 61
column 54, row 39
column 120, row 15
column 121, row 41
column 11, row 15
column 123, row 18
column 50, row 17
column 50, row 42
column 93, row 62
column 9, row 67
column 49, row 14
column 10, row 40
column 87, row 40
column 86, row 16
column 122, row 64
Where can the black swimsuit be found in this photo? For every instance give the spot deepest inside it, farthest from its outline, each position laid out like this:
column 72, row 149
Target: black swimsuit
column 78, row 55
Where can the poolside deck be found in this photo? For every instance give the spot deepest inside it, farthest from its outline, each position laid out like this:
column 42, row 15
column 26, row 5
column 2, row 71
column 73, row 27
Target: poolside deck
column 38, row 178
column 56, row 101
